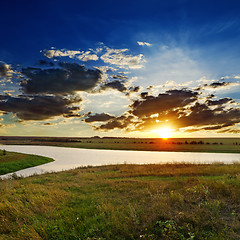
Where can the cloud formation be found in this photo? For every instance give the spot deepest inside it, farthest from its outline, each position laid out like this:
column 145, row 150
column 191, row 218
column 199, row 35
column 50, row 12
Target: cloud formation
column 184, row 109
column 122, row 122
column 118, row 85
column 4, row 69
column 163, row 102
column 144, row 44
column 121, row 59
column 218, row 85
column 117, row 57
column 39, row 107
column 80, row 55
column 99, row 117
column 67, row 79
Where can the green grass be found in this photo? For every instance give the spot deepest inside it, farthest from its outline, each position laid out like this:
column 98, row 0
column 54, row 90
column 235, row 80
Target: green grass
column 168, row 201
column 11, row 161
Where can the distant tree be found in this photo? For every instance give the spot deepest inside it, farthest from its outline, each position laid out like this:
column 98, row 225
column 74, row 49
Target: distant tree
column 4, row 152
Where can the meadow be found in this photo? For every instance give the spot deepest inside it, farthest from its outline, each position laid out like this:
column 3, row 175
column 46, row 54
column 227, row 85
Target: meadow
column 223, row 145
column 168, row 201
column 154, row 201
column 11, row 161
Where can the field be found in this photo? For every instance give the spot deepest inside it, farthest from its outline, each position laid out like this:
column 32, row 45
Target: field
column 11, row 162
column 231, row 145
column 170, row 201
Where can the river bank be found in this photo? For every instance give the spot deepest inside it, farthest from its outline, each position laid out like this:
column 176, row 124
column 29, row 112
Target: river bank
column 69, row 158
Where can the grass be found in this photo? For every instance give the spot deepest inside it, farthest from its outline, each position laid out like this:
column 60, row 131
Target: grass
column 11, row 161
column 168, row 201
column 222, row 145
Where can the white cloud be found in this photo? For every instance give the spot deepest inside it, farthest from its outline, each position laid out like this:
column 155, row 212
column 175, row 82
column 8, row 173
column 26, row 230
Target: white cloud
column 117, row 57
column 87, row 56
column 81, row 55
column 144, row 44
column 60, row 53
column 121, row 59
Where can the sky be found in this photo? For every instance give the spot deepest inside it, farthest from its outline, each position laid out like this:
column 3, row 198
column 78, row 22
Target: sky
column 120, row 68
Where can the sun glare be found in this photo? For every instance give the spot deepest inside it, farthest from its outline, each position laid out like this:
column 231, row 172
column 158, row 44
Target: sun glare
column 165, row 132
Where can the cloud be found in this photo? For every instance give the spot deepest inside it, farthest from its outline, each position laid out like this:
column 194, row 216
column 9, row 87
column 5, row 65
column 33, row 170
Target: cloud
column 218, row 85
column 121, row 59
column 39, row 107
column 46, row 63
column 68, row 79
column 87, row 56
column 118, row 85
column 202, row 115
column 163, row 102
column 80, row 55
column 122, row 122
column 99, row 117
column 122, row 77
column 184, row 109
column 134, row 89
column 219, row 102
column 144, row 44
column 60, row 53
column 4, row 69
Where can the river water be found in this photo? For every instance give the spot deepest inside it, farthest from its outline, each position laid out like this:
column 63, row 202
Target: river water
column 69, row 158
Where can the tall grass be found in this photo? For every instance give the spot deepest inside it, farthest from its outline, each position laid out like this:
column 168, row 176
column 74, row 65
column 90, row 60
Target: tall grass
column 170, row 201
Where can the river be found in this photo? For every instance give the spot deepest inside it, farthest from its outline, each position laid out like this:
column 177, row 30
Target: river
column 69, row 158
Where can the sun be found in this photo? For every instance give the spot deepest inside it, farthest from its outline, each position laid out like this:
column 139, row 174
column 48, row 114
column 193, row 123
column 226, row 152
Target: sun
column 165, row 132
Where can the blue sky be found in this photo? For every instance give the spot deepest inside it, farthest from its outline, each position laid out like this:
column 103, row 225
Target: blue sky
column 100, row 65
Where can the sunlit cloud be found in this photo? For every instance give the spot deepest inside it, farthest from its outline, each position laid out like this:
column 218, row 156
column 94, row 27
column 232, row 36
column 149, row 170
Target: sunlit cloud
column 120, row 58
column 144, row 44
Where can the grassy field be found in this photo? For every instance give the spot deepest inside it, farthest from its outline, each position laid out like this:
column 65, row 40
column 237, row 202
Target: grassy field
column 11, row 162
column 170, row 201
column 224, row 145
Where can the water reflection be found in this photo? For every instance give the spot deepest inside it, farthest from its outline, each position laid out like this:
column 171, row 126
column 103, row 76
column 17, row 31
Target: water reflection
column 69, row 158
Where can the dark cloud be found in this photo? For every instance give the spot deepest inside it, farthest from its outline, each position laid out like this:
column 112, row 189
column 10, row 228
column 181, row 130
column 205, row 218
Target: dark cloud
column 38, row 107
column 203, row 115
column 144, row 94
column 219, row 102
column 118, row 85
column 229, row 130
column 134, row 89
column 121, row 122
column 219, row 84
column 99, row 117
column 216, row 85
column 4, row 69
column 67, row 79
column 163, row 102
column 122, row 77
column 182, row 108
column 46, row 63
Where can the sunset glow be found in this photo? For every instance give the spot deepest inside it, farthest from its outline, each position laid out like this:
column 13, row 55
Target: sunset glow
column 165, row 132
